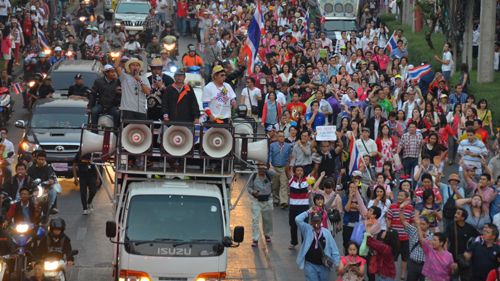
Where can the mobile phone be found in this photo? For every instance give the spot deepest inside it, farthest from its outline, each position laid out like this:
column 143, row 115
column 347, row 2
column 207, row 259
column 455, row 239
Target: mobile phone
column 352, row 107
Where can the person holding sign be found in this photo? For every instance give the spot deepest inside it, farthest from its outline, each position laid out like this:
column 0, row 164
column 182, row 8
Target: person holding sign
column 315, row 118
column 329, row 152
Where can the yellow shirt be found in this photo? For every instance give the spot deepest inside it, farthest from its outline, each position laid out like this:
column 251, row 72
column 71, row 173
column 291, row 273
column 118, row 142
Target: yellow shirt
column 486, row 120
column 464, row 136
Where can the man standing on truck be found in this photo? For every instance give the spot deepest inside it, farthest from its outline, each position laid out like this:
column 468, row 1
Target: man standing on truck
column 104, row 92
column 260, row 187
column 179, row 102
column 218, row 97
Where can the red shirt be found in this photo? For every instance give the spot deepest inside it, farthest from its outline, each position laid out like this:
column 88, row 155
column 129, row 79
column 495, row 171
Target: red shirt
column 296, row 110
column 484, row 135
column 384, row 254
column 182, row 9
column 393, row 216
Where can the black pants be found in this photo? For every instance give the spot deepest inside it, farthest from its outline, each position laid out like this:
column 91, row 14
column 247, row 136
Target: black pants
column 414, row 272
column 293, row 226
column 87, row 180
column 132, row 115
column 148, row 36
column 346, row 237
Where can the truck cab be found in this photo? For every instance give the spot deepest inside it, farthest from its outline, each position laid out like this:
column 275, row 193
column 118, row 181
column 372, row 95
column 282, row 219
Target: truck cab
column 340, row 15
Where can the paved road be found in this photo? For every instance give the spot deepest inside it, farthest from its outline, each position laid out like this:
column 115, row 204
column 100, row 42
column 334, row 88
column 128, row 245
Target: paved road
column 271, row 261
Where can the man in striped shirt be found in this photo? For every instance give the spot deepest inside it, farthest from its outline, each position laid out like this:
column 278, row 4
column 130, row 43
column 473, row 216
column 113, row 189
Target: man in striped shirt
column 472, row 150
column 394, row 221
column 299, row 198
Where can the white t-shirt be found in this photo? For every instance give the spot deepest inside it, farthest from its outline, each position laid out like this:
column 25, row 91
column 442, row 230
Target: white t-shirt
column 3, row 10
column 281, row 98
column 253, row 95
column 496, row 60
column 132, row 46
column 162, row 3
column 219, row 103
column 447, row 67
column 370, row 145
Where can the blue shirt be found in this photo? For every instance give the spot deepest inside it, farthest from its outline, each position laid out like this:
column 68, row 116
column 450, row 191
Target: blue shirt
column 319, row 120
column 279, row 158
column 396, row 53
column 332, row 70
column 454, row 98
column 351, row 216
column 26, row 211
column 53, row 59
column 446, row 191
column 494, row 204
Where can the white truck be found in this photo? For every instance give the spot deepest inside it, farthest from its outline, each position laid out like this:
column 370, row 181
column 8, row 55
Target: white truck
column 171, row 223
column 340, row 15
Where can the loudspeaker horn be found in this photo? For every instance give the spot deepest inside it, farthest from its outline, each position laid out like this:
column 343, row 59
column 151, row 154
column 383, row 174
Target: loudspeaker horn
column 136, row 138
column 94, row 143
column 177, row 140
column 243, row 129
column 256, row 151
column 217, row 142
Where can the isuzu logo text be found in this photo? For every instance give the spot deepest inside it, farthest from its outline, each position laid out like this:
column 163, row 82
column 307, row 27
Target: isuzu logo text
column 174, row 251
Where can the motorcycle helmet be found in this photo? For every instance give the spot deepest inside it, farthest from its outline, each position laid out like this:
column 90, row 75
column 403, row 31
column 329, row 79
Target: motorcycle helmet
column 100, row 17
column 42, row 55
column 56, row 223
column 4, row 90
column 168, row 24
column 33, row 61
column 55, row 22
column 241, row 111
column 59, row 43
column 95, row 29
column 57, row 49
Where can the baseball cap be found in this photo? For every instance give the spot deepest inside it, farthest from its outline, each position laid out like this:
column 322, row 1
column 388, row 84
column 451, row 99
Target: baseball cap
column 366, row 129
column 217, row 69
column 443, row 96
column 453, row 177
column 357, row 174
column 470, row 167
column 125, row 58
column 397, row 76
column 270, row 128
column 108, row 67
column 316, row 217
column 79, row 76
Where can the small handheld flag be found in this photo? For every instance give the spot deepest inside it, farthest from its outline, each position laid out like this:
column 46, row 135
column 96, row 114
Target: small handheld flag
column 17, row 88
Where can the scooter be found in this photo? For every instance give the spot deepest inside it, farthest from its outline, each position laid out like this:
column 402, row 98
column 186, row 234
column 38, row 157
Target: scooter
column 56, row 269
column 194, row 69
column 22, row 235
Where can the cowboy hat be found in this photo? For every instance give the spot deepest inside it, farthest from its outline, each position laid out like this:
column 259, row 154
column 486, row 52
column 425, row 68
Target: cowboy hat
column 131, row 61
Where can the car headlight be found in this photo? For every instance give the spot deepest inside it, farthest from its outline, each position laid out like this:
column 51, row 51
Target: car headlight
column 173, row 69
column 29, row 147
column 169, row 47
column 114, row 54
column 22, row 228
column 31, row 84
column 216, row 276
column 51, row 265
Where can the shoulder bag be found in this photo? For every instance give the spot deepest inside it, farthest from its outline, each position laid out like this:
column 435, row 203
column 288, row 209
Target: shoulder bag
column 326, row 260
column 449, row 208
column 373, row 159
column 255, row 108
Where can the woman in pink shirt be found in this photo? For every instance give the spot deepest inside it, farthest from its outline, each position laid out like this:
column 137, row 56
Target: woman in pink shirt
column 438, row 263
column 455, row 118
column 6, row 46
column 363, row 90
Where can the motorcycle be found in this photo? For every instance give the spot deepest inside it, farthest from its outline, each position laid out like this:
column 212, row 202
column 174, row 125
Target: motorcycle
column 89, row 5
column 152, row 56
column 27, row 59
column 56, row 269
column 22, row 235
column 5, row 106
column 3, row 264
column 170, row 44
column 194, row 69
column 41, row 197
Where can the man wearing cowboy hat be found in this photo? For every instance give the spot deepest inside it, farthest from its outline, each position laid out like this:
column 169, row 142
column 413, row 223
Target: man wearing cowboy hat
column 218, row 97
column 159, row 83
column 135, row 88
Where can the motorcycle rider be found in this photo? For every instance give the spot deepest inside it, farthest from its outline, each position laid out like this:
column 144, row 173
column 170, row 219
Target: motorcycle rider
column 192, row 59
column 65, row 15
column 43, row 65
column 25, row 210
column 116, row 38
column 154, row 47
column 159, row 83
column 55, row 244
column 78, row 90
column 55, row 33
column 71, row 46
column 165, row 60
column 96, row 53
column 104, row 44
column 40, row 89
column 92, row 39
column 82, row 12
column 44, row 172
column 85, row 31
column 104, row 92
column 13, row 185
column 168, row 31
column 101, row 24
column 38, row 273
column 131, row 44
column 33, row 47
column 57, row 56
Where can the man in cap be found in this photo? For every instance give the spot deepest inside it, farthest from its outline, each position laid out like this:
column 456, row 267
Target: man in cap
column 271, row 133
column 33, row 47
column 218, row 97
column 104, row 92
column 40, row 89
column 57, row 56
column 159, row 83
column 78, row 90
column 135, row 88
column 440, row 89
column 55, row 32
column 43, row 65
column 117, row 37
column 192, row 59
column 366, row 145
column 317, row 241
column 179, row 102
column 92, row 38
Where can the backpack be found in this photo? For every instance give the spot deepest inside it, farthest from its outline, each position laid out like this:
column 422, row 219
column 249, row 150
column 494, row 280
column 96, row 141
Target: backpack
column 449, row 208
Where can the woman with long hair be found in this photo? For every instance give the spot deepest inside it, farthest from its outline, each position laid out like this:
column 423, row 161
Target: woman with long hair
column 332, row 201
column 470, row 115
column 331, row 88
column 342, row 89
column 485, row 115
column 464, row 77
column 385, row 146
column 404, row 67
column 401, row 118
column 363, row 90
column 355, row 81
column 422, row 124
column 386, row 250
column 357, row 114
column 260, row 83
column 343, row 75
column 379, row 198
column 17, row 32
column 477, row 217
column 445, row 133
column 405, row 184
column 292, row 138
column 433, row 148
column 455, row 118
column 429, row 114
column 271, row 112
column 430, row 209
column 274, row 76
column 351, row 213
column 355, row 132
column 7, row 41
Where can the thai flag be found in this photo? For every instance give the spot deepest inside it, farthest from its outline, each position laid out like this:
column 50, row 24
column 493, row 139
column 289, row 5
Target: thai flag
column 337, row 47
column 300, row 46
column 202, row 48
column 356, row 159
column 417, row 72
column 17, row 88
column 306, row 21
column 392, row 43
column 283, row 38
column 42, row 39
column 323, row 19
column 253, row 39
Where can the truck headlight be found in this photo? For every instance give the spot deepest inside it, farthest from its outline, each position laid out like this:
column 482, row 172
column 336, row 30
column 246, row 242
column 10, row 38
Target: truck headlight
column 130, row 275
column 51, row 265
column 29, row 147
column 22, row 228
column 216, row 276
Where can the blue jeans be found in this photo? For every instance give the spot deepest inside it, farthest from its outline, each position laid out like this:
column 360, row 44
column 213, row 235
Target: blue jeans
column 380, row 278
column 99, row 109
column 62, row 4
column 160, row 17
column 52, row 196
column 181, row 25
column 409, row 164
column 316, row 272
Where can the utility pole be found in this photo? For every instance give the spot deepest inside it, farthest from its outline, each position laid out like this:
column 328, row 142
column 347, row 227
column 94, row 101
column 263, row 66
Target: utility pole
column 486, row 41
column 469, row 22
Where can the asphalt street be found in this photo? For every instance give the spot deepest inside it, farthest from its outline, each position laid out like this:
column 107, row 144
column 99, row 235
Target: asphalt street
column 268, row 261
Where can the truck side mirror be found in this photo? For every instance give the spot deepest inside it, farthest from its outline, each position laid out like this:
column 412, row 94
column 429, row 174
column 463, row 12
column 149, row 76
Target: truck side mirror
column 239, row 234
column 110, row 229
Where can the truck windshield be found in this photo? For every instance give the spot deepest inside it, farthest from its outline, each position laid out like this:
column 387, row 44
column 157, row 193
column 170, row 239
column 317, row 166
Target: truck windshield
column 133, row 8
column 60, row 117
column 340, row 25
column 174, row 218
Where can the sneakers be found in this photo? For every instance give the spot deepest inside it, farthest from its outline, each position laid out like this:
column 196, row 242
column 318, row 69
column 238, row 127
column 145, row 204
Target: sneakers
column 254, row 244
column 276, row 204
column 85, row 212
column 268, row 239
column 91, row 207
column 284, row 206
column 291, row 247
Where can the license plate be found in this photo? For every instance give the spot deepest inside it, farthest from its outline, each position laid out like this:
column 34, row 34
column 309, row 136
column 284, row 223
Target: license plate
column 58, row 167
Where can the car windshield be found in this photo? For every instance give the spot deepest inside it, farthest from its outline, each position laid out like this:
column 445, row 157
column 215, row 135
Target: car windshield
column 340, row 25
column 133, row 8
column 60, row 117
column 63, row 80
column 174, row 217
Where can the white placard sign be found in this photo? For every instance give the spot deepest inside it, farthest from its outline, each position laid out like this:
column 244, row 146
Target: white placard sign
column 326, row 133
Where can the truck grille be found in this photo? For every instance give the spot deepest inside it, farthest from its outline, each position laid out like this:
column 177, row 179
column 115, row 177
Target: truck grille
column 57, row 148
column 133, row 23
column 172, row 279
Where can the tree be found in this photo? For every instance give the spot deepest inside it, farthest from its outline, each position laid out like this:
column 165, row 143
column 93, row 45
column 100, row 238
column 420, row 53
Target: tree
column 429, row 10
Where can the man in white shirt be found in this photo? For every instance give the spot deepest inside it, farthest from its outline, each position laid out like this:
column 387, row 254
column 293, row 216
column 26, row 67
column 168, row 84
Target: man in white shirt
column 475, row 42
column 410, row 104
column 250, row 96
column 5, row 8
column 447, row 63
column 366, row 146
column 283, row 125
column 365, row 40
column 162, row 8
column 9, row 146
column 218, row 97
column 496, row 61
column 326, row 42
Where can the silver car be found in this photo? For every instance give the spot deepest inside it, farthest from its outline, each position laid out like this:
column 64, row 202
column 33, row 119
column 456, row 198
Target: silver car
column 132, row 14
